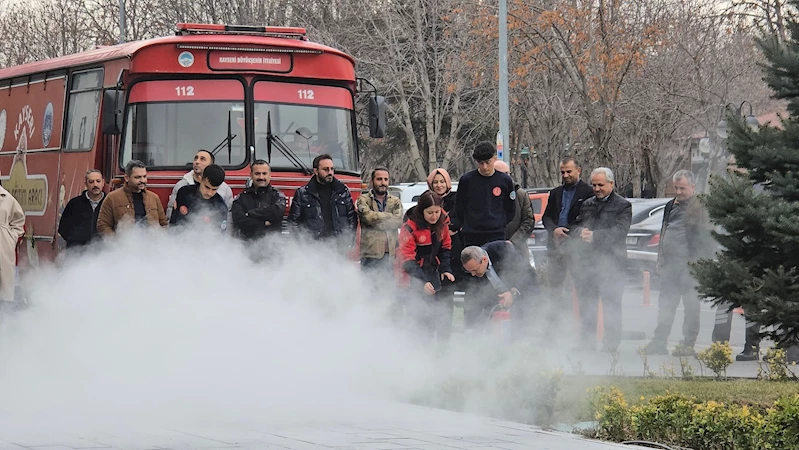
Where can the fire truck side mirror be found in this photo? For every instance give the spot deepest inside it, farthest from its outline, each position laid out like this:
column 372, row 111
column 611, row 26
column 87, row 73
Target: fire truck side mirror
column 113, row 103
column 377, row 116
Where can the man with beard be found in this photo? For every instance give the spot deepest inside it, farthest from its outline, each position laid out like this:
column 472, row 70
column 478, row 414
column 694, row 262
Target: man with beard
column 133, row 204
column 78, row 225
column 381, row 216
column 324, row 206
column 201, row 202
column 258, row 210
column 201, row 160
column 562, row 209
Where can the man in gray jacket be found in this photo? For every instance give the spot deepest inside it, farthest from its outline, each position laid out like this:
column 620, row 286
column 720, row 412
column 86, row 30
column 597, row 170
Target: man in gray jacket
column 685, row 237
column 519, row 229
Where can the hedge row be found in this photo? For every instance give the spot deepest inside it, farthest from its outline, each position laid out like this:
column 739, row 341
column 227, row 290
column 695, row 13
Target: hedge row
column 683, row 421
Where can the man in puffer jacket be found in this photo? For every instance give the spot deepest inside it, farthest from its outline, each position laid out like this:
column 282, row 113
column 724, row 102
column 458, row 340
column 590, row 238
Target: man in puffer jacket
column 324, row 206
column 258, row 210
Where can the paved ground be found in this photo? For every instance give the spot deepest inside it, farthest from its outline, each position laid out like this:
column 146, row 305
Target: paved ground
column 642, row 320
column 383, row 427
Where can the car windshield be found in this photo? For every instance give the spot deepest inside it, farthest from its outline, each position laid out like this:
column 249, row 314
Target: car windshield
column 168, row 121
column 310, row 120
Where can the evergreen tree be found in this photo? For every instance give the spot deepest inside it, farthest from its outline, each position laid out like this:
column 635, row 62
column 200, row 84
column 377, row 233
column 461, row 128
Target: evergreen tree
column 758, row 208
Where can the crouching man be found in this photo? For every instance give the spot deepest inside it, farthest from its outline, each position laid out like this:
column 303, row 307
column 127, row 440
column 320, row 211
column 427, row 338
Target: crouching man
column 507, row 279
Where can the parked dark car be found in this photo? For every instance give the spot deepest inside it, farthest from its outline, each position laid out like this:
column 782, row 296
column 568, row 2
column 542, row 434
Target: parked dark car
column 642, row 242
column 644, row 208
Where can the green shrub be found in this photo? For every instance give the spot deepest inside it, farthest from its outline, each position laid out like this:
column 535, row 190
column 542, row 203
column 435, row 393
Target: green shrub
column 716, row 426
column 717, row 358
column 782, row 423
column 612, row 413
column 683, row 421
column 662, row 419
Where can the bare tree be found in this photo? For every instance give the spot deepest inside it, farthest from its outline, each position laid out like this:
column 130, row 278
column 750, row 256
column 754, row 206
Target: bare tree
column 420, row 54
column 770, row 17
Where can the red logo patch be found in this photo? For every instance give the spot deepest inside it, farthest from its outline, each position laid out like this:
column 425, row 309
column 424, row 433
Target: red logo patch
column 184, row 210
column 422, row 238
column 497, row 191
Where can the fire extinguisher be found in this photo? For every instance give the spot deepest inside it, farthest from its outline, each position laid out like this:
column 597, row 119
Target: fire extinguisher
column 499, row 318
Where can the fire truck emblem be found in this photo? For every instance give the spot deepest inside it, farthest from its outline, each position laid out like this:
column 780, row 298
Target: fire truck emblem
column 47, row 125
column 186, row 59
column 29, row 190
column 2, row 127
column 24, row 129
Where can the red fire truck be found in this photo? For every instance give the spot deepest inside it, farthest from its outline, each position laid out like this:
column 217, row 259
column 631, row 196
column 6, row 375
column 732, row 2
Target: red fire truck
column 242, row 92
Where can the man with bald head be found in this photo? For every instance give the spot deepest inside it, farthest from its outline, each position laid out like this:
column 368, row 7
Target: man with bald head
column 519, row 228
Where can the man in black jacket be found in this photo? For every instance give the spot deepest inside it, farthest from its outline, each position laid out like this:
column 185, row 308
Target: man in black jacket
column 507, row 279
column 486, row 200
column 259, row 209
column 600, row 234
column 200, row 202
column 324, row 206
column 562, row 209
column 78, row 225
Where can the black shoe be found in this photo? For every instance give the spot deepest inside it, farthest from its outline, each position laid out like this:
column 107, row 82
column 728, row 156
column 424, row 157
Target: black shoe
column 749, row 354
column 656, row 348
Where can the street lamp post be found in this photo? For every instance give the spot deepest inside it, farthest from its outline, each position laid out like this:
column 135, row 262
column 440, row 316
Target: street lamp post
column 504, row 114
column 713, row 150
column 525, row 158
column 751, row 120
column 121, row 21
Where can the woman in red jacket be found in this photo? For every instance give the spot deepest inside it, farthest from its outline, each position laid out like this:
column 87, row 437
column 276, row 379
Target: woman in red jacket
column 424, row 260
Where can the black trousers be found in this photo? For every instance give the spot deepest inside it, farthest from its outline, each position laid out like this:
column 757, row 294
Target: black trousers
column 557, row 305
column 591, row 286
column 430, row 316
column 676, row 284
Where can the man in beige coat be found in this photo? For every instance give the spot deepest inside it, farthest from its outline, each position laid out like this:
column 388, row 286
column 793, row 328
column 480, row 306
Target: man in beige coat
column 12, row 223
column 381, row 216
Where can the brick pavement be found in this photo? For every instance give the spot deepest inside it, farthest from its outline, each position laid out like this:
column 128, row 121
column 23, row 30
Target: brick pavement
column 386, row 427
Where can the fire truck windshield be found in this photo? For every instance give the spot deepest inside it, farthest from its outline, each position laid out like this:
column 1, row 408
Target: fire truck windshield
column 311, row 120
column 168, row 121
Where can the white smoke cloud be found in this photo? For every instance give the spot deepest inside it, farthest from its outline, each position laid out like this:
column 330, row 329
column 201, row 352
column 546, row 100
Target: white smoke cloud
column 158, row 328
